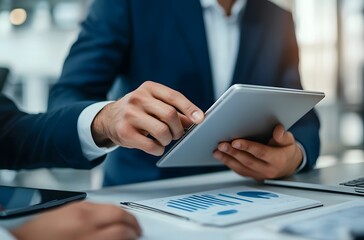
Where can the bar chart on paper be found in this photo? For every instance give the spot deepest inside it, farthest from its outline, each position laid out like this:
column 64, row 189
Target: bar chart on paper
column 227, row 206
column 196, row 202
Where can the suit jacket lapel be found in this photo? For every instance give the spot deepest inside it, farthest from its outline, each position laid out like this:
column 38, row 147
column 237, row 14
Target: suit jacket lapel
column 189, row 17
column 251, row 32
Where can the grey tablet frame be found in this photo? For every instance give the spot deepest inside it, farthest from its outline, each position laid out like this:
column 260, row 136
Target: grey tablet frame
column 243, row 111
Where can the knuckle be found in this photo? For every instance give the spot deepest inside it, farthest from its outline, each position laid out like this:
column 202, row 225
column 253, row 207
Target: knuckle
column 162, row 131
column 147, row 84
column 130, row 114
column 123, row 132
column 163, row 134
column 170, row 113
column 136, row 97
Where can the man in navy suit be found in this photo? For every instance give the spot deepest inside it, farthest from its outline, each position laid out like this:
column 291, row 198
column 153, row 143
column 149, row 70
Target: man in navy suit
column 198, row 48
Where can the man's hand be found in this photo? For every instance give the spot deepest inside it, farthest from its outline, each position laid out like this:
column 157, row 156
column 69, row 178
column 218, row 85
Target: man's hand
column 81, row 220
column 148, row 118
column 279, row 158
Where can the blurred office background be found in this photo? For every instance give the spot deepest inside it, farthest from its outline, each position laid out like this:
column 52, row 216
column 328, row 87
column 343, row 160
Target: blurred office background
column 35, row 36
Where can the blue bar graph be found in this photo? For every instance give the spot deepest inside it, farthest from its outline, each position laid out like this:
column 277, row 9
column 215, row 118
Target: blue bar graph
column 237, row 198
column 196, row 202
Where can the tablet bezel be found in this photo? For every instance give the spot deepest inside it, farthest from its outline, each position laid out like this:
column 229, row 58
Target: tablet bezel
column 51, row 198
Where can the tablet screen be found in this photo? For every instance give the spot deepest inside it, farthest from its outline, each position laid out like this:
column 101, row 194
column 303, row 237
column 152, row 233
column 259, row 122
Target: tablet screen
column 16, row 201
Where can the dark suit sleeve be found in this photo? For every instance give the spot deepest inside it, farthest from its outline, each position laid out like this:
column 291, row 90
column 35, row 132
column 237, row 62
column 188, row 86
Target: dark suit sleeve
column 306, row 130
column 41, row 140
column 97, row 57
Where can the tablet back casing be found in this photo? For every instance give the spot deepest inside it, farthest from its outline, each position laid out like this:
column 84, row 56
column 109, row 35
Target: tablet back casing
column 243, row 111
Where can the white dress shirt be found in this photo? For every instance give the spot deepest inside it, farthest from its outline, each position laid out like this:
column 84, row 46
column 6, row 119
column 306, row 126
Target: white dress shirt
column 223, row 35
column 89, row 148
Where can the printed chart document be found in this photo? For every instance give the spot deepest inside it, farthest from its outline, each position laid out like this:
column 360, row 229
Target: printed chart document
column 226, row 206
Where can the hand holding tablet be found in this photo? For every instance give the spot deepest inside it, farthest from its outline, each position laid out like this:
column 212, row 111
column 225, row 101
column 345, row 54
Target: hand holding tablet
column 242, row 112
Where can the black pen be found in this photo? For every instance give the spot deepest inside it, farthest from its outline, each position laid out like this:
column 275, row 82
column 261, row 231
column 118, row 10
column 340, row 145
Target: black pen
column 138, row 206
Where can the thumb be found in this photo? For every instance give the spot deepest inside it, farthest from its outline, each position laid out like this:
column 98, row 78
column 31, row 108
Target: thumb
column 281, row 137
column 278, row 133
column 197, row 116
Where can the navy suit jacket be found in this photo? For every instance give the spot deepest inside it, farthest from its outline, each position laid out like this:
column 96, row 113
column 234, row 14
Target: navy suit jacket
column 40, row 140
column 126, row 42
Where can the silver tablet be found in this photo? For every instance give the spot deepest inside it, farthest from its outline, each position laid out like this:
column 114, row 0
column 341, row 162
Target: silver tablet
column 243, row 111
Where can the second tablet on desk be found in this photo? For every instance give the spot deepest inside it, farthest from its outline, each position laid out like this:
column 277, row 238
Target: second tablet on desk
column 243, row 111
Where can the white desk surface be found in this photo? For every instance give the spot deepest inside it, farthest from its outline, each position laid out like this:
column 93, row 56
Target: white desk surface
column 163, row 227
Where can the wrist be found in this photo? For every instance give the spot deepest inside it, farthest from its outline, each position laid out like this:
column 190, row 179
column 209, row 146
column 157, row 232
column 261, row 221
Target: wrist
column 98, row 131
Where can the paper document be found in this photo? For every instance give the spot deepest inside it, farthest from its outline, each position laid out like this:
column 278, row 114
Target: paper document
column 227, row 206
column 342, row 222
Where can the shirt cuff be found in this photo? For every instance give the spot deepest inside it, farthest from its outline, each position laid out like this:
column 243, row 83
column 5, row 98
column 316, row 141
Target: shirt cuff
column 89, row 148
column 5, row 235
column 304, row 158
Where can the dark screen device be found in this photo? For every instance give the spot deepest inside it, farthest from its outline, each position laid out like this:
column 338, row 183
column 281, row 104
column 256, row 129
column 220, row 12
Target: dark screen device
column 20, row 201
